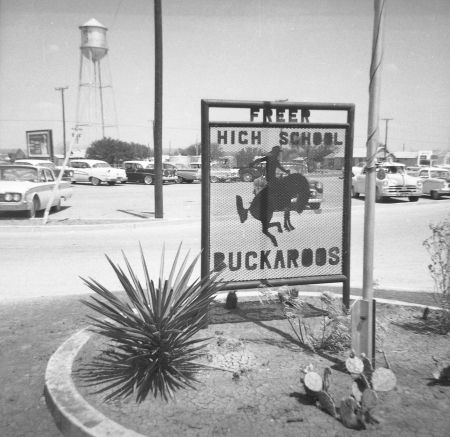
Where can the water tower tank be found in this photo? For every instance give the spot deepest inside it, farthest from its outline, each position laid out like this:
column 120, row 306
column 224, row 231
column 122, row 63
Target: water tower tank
column 93, row 40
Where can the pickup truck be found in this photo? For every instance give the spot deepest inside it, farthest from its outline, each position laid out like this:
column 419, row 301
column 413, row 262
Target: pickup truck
column 188, row 173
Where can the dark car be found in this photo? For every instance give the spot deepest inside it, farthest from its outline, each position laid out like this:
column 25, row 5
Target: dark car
column 144, row 172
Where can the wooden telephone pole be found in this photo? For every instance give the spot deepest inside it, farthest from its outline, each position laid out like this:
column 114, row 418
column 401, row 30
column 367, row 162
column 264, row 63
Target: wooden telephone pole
column 157, row 131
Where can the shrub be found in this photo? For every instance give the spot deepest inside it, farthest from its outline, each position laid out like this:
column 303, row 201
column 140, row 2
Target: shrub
column 438, row 246
column 155, row 348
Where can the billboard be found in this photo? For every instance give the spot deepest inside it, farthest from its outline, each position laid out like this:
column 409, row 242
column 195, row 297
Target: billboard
column 40, row 144
column 271, row 215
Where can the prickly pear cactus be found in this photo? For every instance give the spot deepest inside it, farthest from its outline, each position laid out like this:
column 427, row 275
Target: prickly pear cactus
column 351, row 414
column 327, row 403
column 354, row 365
column 368, row 368
column 232, row 300
column 383, row 379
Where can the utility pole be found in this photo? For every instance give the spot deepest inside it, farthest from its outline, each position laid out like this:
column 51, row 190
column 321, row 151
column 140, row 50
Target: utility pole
column 158, row 110
column 64, row 117
column 363, row 320
column 387, row 120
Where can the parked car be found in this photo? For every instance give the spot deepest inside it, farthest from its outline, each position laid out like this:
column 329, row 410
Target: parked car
column 96, row 172
column 188, row 173
column 315, row 187
column 356, row 169
column 219, row 173
column 435, row 180
column 68, row 172
column 29, row 188
column 391, row 181
column 144, row 172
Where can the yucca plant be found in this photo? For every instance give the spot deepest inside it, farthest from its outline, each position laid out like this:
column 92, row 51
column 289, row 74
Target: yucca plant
column 155, row 349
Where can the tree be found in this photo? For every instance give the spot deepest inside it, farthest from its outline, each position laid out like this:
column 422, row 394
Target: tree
column 314, row 148
column 115, row 151
column 192, row 150
column 245, row 156
column 216, row 152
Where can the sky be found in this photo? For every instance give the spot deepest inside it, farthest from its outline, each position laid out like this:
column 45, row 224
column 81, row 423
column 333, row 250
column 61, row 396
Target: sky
column 300, row 50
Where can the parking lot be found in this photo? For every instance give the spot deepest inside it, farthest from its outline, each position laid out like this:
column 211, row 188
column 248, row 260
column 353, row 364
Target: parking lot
column 41, row 260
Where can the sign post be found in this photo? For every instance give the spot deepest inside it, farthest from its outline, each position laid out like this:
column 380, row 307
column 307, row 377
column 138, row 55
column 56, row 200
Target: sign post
column 282, row 225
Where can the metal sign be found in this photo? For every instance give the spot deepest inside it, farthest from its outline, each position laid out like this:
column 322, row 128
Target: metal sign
column 40, row 144
column 271, row 213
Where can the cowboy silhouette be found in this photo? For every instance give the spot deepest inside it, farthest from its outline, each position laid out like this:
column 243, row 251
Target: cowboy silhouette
column 272, row 163
column 284, row 194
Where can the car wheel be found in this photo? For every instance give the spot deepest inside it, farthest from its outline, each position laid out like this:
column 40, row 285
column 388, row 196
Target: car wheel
column 435, row 195
column 179, row 180
column 247, row 177
column 123, row 182
column 57, row 207
column 378, row 197
column 111, row 183
column 148, row 180
column 34, row 208
column 96, row 181
column 355, row 194
column 189, row 181
column 214, row 179
column 413, row 198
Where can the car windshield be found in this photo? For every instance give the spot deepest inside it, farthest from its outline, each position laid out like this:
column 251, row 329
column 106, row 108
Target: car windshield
column 18, row 174
column 181, row 166
column 394, row 169
column 150, row 166
column 101, row 164
column 46, row 164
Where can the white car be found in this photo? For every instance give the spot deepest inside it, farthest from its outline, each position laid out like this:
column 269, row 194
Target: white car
column 68, row 171
column 29, row 189
column 435, row 180
column 391, row 181
column 356, row 169
column 95, row 172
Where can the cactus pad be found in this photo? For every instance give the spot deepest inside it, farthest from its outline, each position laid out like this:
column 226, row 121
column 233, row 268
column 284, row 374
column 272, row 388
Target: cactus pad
column 327, row 403
column 350, row 414
column 383, row 379
column 369, row 399
column 313, row 381
column 354, row 365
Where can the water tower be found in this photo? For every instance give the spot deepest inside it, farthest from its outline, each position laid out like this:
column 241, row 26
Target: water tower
column 96, row 110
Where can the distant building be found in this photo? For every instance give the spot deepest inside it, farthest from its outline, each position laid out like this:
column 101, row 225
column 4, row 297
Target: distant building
column 13, row 154
column 336, row 160
column 407, row 158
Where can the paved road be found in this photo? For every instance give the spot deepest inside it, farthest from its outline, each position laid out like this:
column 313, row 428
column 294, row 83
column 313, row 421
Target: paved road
column 46, row 261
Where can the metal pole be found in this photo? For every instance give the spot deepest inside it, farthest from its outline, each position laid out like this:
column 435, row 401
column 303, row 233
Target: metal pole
column 362, row 326
column 386, row 135
column 158, row 111
column 58, row 179
column 64, row 117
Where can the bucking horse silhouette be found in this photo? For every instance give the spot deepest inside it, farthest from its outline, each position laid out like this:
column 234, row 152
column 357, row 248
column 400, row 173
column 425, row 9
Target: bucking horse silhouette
column 289, row 193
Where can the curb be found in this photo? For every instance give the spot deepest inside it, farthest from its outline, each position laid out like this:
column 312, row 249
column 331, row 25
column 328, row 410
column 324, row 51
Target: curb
column 93, row 227
column 73, row 415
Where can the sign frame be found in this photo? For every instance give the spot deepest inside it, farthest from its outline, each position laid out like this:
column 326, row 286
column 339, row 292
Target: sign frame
column 47, row 134
column 307, row 109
